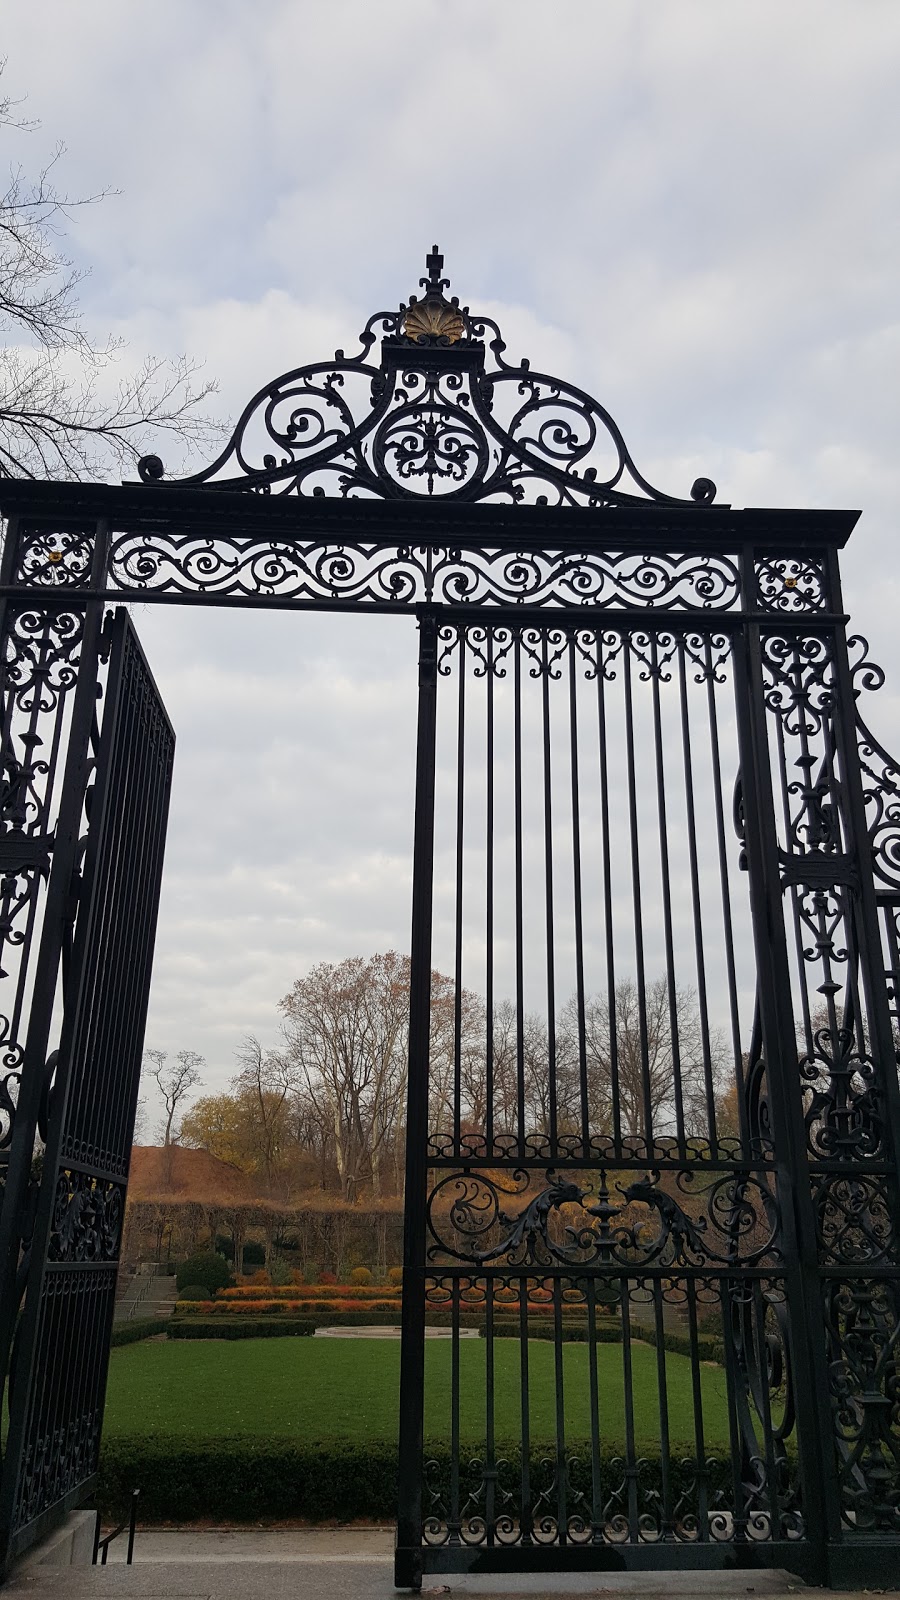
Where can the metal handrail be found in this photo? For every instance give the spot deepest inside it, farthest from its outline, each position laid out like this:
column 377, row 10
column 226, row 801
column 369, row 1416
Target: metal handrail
column 102, row 1545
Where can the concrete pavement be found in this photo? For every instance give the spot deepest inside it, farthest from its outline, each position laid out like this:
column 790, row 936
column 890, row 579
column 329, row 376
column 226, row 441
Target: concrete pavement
column 337, row 1564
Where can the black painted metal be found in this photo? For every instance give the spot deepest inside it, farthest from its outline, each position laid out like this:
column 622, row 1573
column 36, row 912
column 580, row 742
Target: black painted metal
column 672, row 1114
column 118, row 784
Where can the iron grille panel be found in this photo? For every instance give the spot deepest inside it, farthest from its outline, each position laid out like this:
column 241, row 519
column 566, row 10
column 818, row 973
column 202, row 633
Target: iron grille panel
column 58, row 1371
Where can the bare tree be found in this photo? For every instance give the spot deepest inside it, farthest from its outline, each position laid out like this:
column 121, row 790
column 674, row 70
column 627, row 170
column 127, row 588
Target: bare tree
column 174, row 1083
column 265, row 1080
column 60, row 415
column 650, row 1052
column 345, row 1029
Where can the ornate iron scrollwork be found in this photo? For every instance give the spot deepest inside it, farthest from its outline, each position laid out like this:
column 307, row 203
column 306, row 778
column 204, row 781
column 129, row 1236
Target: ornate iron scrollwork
column 435, row 418
column 731, row 1218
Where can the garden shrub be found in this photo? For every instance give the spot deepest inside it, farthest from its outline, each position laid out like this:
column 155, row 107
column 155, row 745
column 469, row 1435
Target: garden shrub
column 395, row 1276
column 210, row 1269
column 327, row 1277
column 280, row 1274
column 194, row 1291
column 361, row 1276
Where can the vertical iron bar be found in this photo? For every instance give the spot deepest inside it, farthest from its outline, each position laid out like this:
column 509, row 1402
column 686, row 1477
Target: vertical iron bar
column 637, row 912
column 594, row 1397
column 662, row 1389
column 453, row 1522
column 631, row 1467
column 489, row 900
column 408, row 1557
column 460, row 859
column 697, row 1397
column 490, row 1455
column 699, row 950
column 525, row 1515
column 608, row 898
column 669, row 942
column 548, row 894
column 725, row 893
column 577, row 899
column 559, row 1398
column 520, row 914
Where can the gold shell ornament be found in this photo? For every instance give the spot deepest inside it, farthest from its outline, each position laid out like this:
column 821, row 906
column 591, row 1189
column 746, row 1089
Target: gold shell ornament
column 434, row 319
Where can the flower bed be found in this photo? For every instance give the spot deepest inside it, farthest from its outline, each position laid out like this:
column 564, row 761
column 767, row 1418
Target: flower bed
column 310, row 1291
column 272, row 1307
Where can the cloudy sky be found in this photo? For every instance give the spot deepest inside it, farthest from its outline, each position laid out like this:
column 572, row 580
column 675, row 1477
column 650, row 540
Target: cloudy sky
column 691, row 209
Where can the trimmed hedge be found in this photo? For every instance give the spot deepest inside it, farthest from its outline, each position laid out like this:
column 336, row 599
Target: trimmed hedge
column 708, row 1349
column 245, row 1480
column 573, row 1332
column 132, row 1332
column 266, row 1326
column 234, row 1328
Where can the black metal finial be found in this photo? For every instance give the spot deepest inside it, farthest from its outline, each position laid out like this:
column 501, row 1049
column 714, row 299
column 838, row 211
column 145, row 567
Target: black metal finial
column 434, row 283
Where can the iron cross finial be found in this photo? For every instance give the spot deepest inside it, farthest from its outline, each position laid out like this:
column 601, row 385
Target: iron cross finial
column 434, row 283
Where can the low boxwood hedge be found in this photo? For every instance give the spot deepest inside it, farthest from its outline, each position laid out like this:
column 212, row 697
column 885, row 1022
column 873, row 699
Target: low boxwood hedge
column 141, row 1328
column 240, row 1328
column 708, row 1349
column 283, row 1326
column 245, row 1480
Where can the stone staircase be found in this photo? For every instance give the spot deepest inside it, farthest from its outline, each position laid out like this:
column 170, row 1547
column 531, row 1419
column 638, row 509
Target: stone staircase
column 148, row 1294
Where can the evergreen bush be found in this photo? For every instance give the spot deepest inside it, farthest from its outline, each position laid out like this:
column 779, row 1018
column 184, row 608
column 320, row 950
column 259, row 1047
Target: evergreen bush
column 211, row 1270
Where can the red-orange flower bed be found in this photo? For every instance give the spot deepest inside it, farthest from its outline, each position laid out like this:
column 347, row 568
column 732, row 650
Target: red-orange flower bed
column 266, row 1308
column 311, row 1291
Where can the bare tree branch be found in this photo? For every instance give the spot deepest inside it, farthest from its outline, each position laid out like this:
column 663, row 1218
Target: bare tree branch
column 59, row 415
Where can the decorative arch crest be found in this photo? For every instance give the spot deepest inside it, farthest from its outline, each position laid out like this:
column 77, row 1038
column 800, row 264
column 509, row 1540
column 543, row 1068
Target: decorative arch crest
column 443, row 415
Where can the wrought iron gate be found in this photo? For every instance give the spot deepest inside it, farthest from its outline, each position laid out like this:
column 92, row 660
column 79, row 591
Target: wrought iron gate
column 673, row 1161
column 651, row 1156
column 63, row 1211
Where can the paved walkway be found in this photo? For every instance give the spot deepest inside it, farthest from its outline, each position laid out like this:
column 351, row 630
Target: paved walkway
column 337, row 1564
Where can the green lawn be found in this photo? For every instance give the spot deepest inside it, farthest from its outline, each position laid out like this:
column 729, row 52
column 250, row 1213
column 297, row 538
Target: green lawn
column 326, row 1389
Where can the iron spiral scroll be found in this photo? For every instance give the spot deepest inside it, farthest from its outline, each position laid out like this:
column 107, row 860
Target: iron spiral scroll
column 435, row 418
